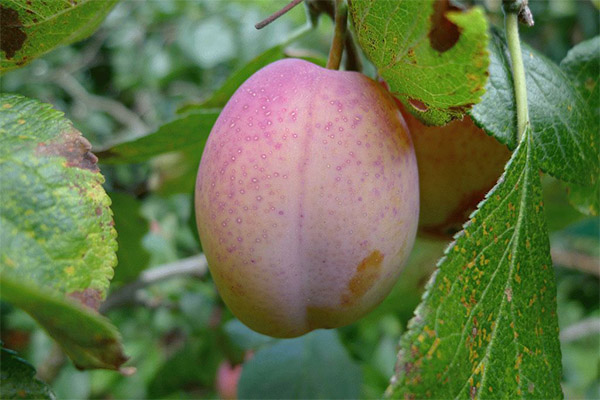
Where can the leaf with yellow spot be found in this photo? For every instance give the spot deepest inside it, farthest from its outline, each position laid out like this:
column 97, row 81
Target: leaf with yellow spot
column 56, row 229
column 494, row 311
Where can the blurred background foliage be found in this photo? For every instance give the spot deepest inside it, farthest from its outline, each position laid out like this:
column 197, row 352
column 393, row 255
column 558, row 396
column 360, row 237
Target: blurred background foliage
column 149, row 58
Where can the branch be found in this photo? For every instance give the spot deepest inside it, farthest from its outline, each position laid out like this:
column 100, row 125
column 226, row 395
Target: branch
column 117, row 110
column 192, row 266
column 277, row 14
column 586, row 327
column 575, row 260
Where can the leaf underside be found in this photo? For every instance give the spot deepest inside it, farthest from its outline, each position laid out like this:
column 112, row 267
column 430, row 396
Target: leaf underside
column 435, row 63
column 33, row 28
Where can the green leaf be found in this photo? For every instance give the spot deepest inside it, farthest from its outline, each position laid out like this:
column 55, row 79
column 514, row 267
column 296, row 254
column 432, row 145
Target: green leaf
column 585, row 198
column 193, row 364
column 487, row 325
column 499, row 94
column 565, row 136
column 186, row 133
column 582, row 66
column 244, row 337
column 432, row 55
column 132, row 256
column 314, row 366
column 56, row 230
column 86, row 336
column 33, row 28
column 56, row 225
column 17, row 379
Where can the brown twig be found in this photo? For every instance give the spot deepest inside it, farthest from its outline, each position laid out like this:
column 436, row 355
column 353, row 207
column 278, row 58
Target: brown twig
column 195, row 266
column 575, row 260
column 586, row 327
column 339, row 35
column 117, row 110
column 277, row 14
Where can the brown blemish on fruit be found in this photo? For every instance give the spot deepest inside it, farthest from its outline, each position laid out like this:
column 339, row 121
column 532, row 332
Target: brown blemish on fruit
column 73, row 147
column 363, row 279
column 365, row 276
column 443, row 34
column 12, row 36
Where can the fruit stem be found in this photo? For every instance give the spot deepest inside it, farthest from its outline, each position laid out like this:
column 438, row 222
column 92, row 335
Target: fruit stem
column 339, row 35
column 511, row 25
column 277, row 14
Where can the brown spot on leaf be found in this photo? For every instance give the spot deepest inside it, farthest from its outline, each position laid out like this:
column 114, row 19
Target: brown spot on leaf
column 90, row 298
column 364, row 277
column 418, row 105
column 443, row 34
column 12, row 36
column 461, row 109
column 73, row 147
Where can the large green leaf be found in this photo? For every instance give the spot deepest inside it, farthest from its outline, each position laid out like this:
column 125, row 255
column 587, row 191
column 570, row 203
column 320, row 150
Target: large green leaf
column 487, row 325
column 432, row 55
column 56, row 226
column 314, row 366
column 17, row 379
column 565, row 136
column 33, row 28
column 182, row 134
column 582, row 66
column 88, row 338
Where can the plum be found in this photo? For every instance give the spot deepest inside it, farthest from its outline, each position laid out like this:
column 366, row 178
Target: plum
column 227, row 380
column 458, row 164
column 307, row 198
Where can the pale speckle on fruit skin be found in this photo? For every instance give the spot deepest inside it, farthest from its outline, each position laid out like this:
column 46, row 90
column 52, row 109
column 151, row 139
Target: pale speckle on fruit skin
column 305, row 174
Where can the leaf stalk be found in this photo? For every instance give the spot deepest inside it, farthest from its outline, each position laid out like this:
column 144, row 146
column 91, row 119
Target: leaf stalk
column 511, row 21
